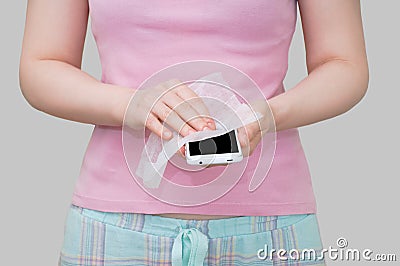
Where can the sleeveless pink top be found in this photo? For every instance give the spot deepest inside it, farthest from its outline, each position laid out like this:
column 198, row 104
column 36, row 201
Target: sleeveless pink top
column 138, row 38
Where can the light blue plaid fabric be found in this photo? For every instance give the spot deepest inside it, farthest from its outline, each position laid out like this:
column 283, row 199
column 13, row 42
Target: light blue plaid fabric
column 102, row 238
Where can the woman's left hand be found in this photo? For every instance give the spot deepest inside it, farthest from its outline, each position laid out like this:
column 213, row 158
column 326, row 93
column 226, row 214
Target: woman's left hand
column 249, row 137
column 251, row 134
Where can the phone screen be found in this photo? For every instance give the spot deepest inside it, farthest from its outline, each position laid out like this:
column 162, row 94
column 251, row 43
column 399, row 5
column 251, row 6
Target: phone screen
column 217, row 145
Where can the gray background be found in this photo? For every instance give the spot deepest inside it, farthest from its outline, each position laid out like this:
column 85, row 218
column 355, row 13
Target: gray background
column 354, row 158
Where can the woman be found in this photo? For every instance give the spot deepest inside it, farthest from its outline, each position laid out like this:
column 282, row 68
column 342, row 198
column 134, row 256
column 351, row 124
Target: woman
column 112, row 221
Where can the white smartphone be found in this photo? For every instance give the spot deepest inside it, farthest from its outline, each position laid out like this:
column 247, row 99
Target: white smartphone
column 223, row 149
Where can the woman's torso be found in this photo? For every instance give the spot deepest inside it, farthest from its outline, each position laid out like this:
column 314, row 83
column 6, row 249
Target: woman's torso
column 136, row 38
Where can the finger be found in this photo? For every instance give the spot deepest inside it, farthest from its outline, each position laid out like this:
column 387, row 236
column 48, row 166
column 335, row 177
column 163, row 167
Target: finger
column 254, row 128
column 188, row 94
column 243, row 136
column 244, row 141
column 182, row 151
column 153, row 124
column 185, row 111
column 214, row 165
column 170, row 117
column 254, row 137
column 199, row 105
column 246, row 151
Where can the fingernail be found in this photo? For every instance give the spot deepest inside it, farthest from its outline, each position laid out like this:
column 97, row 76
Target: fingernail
column 210, row 124
column 167, row 134
column 206, row 129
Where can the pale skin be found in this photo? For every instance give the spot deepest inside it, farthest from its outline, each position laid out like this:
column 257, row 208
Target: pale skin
column 52, row 81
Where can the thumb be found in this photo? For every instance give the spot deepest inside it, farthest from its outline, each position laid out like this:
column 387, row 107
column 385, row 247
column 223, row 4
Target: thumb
column 242, row 136
column 182, row 151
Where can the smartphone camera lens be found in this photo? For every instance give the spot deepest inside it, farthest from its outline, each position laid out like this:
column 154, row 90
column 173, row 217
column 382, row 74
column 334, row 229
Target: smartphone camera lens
column 200, row 162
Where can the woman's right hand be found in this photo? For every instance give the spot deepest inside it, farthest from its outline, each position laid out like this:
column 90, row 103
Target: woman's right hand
column 173, row 103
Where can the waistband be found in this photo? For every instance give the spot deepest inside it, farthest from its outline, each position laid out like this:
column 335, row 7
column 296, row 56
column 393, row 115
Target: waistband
column 171, row 227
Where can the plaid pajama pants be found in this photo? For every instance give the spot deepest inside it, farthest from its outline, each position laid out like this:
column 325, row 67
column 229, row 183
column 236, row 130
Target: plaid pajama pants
column 103, row 238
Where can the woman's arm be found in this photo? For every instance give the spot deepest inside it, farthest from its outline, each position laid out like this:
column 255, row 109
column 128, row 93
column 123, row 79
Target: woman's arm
column 336, row 62
column 50, row 76
column 52, row 81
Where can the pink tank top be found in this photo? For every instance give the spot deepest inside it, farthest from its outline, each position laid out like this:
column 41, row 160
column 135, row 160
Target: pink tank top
column 135, row 39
